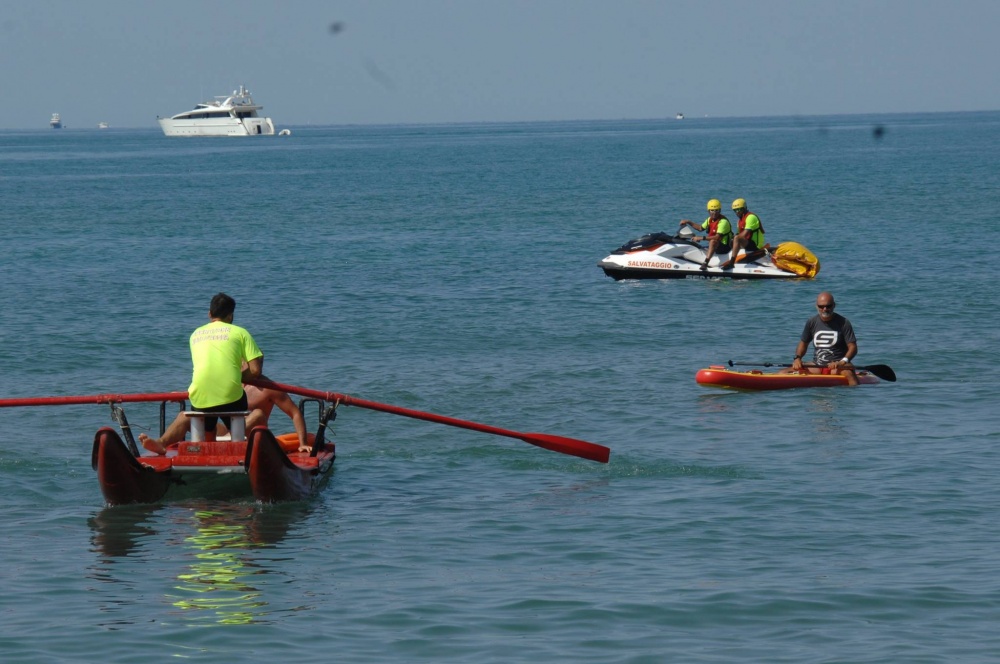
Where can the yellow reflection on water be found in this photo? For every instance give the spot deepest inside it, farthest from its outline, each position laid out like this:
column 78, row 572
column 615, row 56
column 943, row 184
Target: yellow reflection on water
column 220, row 547
column 216, row 582
column 216, row 586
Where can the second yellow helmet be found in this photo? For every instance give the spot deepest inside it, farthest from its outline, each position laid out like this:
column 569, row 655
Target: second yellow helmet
column 714, row 204
column 739, row 204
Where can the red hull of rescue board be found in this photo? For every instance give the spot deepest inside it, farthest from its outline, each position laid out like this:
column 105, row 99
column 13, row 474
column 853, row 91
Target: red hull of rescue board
column 759, row 380
column 261, row 466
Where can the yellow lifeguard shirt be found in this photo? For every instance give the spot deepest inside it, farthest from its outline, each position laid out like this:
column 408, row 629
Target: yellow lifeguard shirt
column 218, row 351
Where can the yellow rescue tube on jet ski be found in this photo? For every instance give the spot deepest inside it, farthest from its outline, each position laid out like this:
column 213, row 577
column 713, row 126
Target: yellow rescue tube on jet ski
column 794, row 257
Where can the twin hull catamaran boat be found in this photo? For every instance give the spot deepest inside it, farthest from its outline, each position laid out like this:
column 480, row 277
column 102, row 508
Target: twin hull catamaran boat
column 269, row 467
column 234, row 115
column 665, row 256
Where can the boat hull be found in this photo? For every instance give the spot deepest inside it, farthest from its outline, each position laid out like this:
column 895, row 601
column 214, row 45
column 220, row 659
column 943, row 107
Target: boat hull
column 123, row 478
column 759, row 380
column 209, row 469
column 645, row 269
column 276, row 476
column 217, row 127
column 665, row 256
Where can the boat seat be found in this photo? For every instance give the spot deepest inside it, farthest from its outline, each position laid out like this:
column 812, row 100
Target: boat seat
column 237, row 422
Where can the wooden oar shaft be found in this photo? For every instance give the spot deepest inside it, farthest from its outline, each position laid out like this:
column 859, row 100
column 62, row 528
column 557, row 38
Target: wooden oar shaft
column 93, row 399
column 571, row 446
column 348, row 400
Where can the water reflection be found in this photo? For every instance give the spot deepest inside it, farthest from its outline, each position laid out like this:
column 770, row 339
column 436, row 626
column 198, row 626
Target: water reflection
column 827, row 423
column 219, row 544
column 218, row 580
column 117, row 531
column 716, row 402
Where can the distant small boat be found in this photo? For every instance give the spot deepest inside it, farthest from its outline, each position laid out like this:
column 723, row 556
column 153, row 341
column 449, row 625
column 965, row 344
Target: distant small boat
column 56, row 121
column 102, row 125
column 680, row 116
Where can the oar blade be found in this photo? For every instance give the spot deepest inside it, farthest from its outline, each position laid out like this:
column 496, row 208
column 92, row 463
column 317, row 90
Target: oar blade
column 883, row 371
column 570, row 446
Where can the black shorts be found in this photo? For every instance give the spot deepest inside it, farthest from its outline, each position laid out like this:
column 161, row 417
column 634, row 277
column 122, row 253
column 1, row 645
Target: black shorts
column 751, row 245
column 723, row 248
column 238, row 405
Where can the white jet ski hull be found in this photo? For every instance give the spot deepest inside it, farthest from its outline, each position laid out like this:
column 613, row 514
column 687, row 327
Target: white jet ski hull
column 663, row 256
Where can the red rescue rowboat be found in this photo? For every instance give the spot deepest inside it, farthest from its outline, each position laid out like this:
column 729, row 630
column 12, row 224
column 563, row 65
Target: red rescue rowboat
column 719, row 376
column 270, row 468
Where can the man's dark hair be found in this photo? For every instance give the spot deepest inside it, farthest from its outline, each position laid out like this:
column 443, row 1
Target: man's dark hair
column 222, row 306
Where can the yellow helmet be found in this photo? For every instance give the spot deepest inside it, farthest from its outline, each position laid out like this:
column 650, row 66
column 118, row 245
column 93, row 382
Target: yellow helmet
column 739, row 204
column 714, row 204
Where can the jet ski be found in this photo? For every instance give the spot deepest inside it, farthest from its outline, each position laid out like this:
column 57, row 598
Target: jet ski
column 664, row 256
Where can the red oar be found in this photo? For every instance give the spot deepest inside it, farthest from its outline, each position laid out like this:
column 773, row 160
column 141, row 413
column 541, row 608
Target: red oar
column 93, row 399
column 561, row 444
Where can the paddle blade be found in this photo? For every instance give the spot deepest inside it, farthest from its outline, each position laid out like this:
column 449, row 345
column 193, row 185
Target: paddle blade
column 883, row 371
column 570, row 446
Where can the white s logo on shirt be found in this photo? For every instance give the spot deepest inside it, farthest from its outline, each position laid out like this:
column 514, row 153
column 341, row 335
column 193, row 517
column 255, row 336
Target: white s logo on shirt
column 825, row 339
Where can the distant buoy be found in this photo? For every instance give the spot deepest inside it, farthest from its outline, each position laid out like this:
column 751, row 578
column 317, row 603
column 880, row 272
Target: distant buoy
column 285, row 132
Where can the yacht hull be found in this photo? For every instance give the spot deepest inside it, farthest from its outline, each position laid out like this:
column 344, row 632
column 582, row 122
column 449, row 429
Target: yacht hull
column 217, row 127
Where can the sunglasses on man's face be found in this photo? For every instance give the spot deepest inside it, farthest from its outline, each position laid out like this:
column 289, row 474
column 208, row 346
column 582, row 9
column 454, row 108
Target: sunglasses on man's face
column 825, row 306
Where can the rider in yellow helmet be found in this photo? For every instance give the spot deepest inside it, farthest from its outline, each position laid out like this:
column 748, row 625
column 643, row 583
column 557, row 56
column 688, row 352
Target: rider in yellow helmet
column 719, row 231
column 749, row 236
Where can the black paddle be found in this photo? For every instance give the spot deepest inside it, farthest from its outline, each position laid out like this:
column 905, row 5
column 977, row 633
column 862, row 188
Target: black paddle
column 883, row 371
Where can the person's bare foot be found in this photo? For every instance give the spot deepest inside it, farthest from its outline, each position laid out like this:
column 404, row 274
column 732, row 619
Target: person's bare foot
column 152, row 444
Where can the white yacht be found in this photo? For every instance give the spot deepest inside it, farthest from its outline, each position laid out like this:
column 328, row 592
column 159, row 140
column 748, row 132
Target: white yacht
column 102, row 125
column 235, row 115
column 56, row 121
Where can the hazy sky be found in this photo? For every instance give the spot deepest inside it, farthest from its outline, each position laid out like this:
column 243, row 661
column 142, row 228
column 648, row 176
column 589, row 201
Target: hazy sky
column 428, row 61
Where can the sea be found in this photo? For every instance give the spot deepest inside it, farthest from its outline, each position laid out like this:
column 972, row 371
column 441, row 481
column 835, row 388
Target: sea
column 452, row 269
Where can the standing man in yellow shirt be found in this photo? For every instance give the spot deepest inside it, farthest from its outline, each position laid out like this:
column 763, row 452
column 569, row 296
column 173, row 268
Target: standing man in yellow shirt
column 218, row 353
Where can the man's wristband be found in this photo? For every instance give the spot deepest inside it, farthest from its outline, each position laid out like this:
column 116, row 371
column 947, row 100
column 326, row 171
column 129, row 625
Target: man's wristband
column 797, row 357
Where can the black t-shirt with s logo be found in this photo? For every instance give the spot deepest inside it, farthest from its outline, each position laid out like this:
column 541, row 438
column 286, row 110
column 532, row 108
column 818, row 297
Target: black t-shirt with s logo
column 830, row 339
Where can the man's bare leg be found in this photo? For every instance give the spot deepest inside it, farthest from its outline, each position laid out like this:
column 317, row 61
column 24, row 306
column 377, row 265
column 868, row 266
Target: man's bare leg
column 255, row 418
column 174, row 434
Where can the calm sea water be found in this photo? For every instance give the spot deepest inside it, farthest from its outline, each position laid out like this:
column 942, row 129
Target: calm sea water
column 452, row 269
